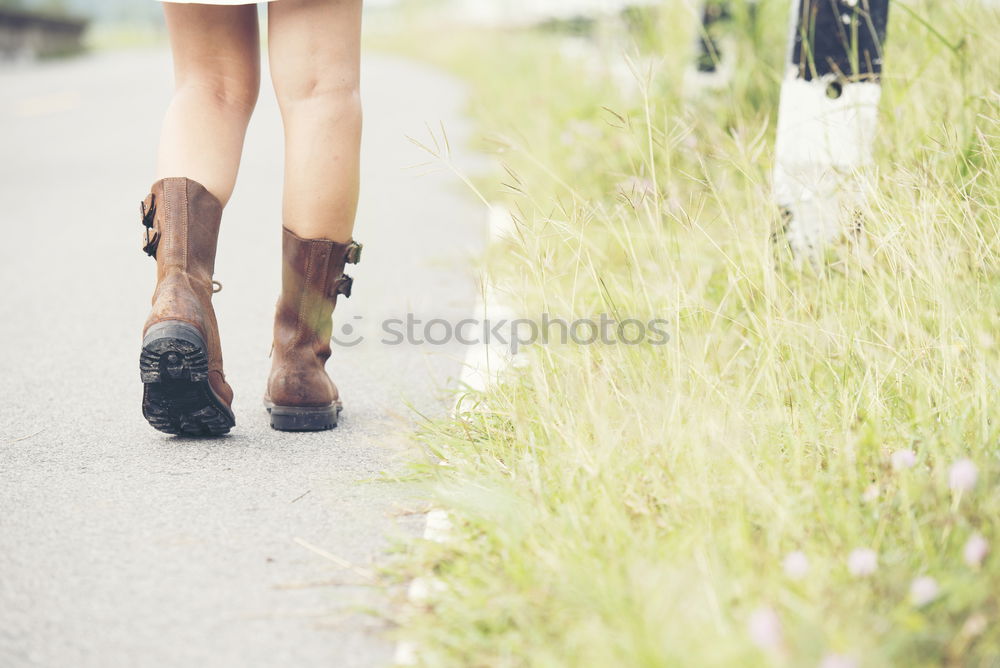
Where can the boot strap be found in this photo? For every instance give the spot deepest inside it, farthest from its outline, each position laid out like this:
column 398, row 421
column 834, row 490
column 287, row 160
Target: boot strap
column 342, row 286
column 353, row 253
column 150, row 235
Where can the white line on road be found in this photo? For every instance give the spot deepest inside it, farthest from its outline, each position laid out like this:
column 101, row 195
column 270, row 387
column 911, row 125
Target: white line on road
column 484, row 366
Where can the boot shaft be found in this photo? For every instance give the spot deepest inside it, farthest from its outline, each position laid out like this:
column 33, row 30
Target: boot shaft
column 182, row 220
column 312, row 278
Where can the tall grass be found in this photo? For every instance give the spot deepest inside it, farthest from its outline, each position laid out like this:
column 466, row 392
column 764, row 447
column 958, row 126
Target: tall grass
column 637, row 505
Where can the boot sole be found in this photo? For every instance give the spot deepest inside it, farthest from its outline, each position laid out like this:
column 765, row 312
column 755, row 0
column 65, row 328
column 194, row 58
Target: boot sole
column 177, row 397
column 295, row 418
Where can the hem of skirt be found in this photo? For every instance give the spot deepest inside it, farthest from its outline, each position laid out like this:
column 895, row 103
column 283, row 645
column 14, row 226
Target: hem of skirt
column 219, row 3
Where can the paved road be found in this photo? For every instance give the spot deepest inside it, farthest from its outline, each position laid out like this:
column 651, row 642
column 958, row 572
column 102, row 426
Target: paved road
column 120, row 546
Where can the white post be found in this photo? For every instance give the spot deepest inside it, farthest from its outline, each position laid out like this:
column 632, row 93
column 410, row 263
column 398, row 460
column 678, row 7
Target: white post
column 714, row 58
column 712, row 68
column 709, row 55
column 827, row 116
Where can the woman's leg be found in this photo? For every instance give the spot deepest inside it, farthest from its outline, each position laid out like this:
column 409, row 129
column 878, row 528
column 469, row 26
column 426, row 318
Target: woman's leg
column 314, row 48
column 217, row 68
column 315, row 51
column 216, row 54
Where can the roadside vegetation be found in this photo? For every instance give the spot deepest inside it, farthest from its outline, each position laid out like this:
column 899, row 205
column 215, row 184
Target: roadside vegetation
column 808, row 473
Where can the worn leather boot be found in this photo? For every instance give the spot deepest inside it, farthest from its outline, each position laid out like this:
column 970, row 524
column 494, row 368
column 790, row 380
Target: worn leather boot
column 300, row 395
column 185, row 391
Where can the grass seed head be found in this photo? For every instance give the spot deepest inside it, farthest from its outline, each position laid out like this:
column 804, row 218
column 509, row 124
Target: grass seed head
column 963, row 476
column 903, row 459
column 975, row 551
column 862, row 562
column 765, row 629
column 923, row 590
column 796, row 565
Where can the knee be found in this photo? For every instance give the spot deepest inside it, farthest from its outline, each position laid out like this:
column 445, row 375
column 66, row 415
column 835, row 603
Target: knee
column 333, row 95
column 233, row 94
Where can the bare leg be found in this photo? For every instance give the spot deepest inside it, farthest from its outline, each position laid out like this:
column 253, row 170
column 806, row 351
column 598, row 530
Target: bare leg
column 216, row 54
column 315, row 51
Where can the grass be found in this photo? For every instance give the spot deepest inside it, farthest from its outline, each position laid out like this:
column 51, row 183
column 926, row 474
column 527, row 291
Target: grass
column 636, row 505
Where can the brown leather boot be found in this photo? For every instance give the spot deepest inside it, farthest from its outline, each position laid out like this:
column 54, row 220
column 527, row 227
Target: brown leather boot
column 300, row 395
column 185, row 391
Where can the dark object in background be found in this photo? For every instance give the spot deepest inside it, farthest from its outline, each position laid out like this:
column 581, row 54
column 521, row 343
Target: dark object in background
column 30, row 35
column 719, row 17
column 709, row 52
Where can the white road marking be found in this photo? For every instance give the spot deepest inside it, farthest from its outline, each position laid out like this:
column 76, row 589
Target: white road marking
column 422, row 589
column 484, row 366
column 485, row 363
column 439, row 526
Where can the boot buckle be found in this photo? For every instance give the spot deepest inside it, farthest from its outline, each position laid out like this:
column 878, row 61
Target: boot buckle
column 343, row 286
column 353, row 254
column 150, row 235
column 147, row 209
column 150, row 240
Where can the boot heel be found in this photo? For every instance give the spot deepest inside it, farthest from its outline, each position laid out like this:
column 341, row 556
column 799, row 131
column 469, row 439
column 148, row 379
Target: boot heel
column 294, row 418
column 177, row 397
column 173, row 351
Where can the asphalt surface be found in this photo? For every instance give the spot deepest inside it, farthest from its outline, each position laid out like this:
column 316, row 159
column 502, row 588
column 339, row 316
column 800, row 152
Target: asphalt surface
column 120, row 546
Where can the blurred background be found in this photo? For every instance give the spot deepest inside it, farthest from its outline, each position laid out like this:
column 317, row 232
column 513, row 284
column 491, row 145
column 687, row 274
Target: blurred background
column 33, row 29
column 39, row 29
